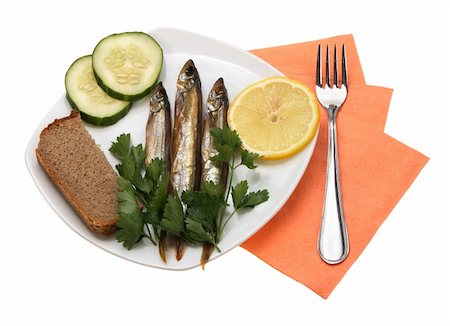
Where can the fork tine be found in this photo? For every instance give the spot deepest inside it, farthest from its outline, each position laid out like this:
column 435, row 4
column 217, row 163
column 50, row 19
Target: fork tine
column 344, row 67
column 327, row 68
column 335, row 68
column 319, row 67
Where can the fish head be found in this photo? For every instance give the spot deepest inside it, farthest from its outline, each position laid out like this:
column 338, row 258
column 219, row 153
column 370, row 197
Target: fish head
column 217, row 97
column 188, row 77
column 158, row 98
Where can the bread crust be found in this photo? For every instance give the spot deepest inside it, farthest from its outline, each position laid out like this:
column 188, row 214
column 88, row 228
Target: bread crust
column 98, row 226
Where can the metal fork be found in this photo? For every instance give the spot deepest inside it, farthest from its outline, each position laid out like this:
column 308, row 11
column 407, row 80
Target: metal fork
column 333, row 239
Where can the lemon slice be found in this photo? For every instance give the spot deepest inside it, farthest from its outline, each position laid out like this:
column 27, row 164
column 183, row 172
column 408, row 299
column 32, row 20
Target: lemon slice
column 275, row 117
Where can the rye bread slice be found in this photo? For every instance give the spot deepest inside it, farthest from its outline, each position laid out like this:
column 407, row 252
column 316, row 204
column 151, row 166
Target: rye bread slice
column 80, row 170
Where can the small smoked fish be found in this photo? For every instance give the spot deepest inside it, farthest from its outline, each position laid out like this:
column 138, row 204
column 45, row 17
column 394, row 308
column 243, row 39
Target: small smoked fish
column 158, row 129
column 158, row 140
column 185, row 169
column 216, row 117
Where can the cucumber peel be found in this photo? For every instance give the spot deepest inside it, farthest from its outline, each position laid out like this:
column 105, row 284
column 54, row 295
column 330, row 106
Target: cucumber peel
column 127, row 65
column 84, row 94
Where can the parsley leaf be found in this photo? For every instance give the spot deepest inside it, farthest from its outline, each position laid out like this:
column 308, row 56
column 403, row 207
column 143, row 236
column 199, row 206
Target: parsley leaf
column 202, row 213
column 238, row 193
column 158, row 201
column 121, row 150
column 226, row 141
column 127, row 199
column 151, row 217
column 130, row 225
column 241, row 199
column 138, row 156
column 226, row 136
column 225, row 152
column 187, row 197
column 144, row 185
column 173, row 220
column 248, row 159
column 121, row 147
column 255, row 198
column 212, row 188
column 204, row 208
column 155, row 168
column 131, row 232
column 131, row 158
column 127, row 168
column 196, row 231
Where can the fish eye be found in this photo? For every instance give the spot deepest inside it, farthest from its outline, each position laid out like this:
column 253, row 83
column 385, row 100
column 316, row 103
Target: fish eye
column 190, row 70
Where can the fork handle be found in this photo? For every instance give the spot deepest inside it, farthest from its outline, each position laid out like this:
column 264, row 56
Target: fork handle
column 333, row 239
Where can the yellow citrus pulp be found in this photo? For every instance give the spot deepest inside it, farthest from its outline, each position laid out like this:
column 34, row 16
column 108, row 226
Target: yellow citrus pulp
column 275, row 117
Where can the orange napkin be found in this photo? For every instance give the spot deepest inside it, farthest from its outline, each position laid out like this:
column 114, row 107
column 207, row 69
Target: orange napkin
column 376, row 170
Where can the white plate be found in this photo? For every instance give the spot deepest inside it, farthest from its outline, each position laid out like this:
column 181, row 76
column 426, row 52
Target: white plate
column 213, row 59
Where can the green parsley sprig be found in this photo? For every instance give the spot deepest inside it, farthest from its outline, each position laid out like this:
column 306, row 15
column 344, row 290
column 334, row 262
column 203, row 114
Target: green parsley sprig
column 142, row 192
column 228, row 145
column 193, row 216
column 198, row 216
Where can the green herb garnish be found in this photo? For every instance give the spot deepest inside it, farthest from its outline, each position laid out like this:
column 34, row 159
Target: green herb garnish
column 142, row 192
column 228, row 146
column 198, row 216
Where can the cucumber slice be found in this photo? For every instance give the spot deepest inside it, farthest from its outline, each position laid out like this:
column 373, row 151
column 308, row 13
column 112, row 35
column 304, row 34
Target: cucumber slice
column 127, row 65
column 83, row 93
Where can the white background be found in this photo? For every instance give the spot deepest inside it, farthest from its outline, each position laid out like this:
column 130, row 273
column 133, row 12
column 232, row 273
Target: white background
column 50, row 276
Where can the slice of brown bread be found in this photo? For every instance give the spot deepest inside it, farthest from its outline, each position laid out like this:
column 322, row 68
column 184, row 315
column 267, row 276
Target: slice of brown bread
column 80, row 170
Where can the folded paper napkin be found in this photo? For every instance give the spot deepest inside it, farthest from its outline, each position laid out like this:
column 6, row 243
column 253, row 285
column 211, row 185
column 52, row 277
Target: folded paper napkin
column 376, row 170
